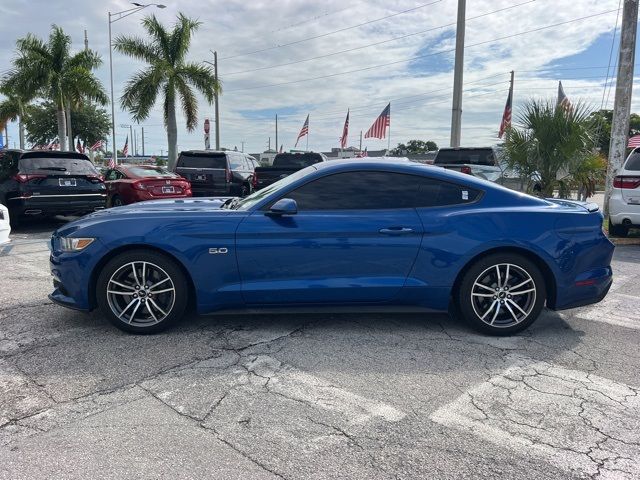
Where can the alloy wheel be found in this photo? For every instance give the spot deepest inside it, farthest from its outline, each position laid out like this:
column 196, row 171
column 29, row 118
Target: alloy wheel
column 141, row 293
column 503, row 295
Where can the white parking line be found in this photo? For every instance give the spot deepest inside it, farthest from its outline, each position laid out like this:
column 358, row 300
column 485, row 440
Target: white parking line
column 300, row 386
column 617, row 308
column 582, row 423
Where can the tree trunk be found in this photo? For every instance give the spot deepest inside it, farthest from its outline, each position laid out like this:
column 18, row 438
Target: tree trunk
column 62, row 126
column 21, row 132
column 172, row 133
column 71, row 145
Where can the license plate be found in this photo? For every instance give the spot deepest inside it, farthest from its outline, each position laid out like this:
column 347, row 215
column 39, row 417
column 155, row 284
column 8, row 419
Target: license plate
column 67, row 182
column 201, row 178
column 168, row 190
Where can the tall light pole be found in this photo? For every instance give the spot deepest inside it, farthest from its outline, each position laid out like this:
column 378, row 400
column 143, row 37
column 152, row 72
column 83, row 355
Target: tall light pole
column 114, row 17
column 456, row 110
column 216, row 98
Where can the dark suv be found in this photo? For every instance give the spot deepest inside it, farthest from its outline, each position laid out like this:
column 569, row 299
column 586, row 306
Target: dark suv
column 213, row 173
column 41, row 183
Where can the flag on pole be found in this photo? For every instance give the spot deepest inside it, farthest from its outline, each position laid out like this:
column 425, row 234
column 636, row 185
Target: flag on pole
column 345, row 132
column 112, row 163
column 363, row 153
column 634, row 142
column 506, row 116
column 79, row 147
column 125, row 149
column 563, row 101
column 97, row 145
column 379, row 127
column 281, row 145
column 54, row 145
column 304, row 131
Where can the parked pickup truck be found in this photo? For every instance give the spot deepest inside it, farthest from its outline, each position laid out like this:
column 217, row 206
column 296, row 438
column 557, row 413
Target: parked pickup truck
column 284, row 164
column 487, row 163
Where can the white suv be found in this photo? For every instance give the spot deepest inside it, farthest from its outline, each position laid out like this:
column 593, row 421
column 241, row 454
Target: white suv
column 5, row 226
column 624, row 204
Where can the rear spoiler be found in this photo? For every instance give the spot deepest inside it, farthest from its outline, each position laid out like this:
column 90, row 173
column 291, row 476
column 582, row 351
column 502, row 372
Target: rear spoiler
column 590, row 207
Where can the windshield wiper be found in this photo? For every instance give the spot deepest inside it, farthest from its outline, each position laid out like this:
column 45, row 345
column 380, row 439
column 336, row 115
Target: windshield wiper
column 230, row 203
column 55, row 169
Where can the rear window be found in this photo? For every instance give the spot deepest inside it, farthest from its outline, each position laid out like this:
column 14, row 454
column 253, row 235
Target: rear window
column 633, row 162
column 296, row 160
column 53, row 165
column 202, row 161
column 480, row 156
column 152, row 172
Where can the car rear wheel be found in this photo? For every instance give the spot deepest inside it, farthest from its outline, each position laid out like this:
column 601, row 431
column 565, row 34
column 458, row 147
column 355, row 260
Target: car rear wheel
column 501, row 294
column 618, row 230
column 142, row 292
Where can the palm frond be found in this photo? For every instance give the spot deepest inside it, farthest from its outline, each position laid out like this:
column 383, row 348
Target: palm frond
column 137, row 48
column 81, row 84
column 9, row 110
column 201, row 77
column 180, row 39
column 141, row 91
column 159, row 35
column 59, row 46
column 88, row 59
column 189, row 103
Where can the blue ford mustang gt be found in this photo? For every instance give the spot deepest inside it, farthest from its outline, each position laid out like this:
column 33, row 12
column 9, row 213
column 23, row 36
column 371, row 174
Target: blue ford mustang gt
column 339, row 233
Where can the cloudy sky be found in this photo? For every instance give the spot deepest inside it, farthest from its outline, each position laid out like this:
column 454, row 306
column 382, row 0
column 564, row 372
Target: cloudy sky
column 299, row 57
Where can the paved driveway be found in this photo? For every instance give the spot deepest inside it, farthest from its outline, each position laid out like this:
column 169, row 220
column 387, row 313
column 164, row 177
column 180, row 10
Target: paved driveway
column 314, row 395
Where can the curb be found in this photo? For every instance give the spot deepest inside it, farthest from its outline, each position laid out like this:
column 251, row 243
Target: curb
column 625, row 241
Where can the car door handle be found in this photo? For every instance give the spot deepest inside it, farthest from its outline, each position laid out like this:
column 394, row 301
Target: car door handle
column 396, row 230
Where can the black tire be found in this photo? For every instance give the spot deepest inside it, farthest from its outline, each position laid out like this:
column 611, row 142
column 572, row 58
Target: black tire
column 144, row 320
column 116, row 201
column 506, row 313
column 618, row 230
column 245, row 190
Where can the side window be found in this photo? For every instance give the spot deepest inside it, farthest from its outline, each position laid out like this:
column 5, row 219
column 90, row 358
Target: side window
column 111, row 175
column 235, row 161
column 378, row 191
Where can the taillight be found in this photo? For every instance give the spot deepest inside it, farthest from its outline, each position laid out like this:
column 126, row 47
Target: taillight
column 626, row 182
column 466, row 169
column 95, row 178
column 139, row 185
column 24, row 177
column 228, row 175
column 254, row 180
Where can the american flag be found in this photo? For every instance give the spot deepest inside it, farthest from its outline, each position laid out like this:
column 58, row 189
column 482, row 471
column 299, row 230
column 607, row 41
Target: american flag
column 506, row 116
column 563, row 101
column 304, row 131
column 345, row 132
column 79, row 147
column 112, row 163
column 634, row 142
column 363, row 153
column 54, row 145
column 125, row 149
column 97, row 145
column 379, row 127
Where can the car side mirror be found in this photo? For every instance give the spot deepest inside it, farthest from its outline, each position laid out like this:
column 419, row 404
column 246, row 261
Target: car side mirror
column 284, row 206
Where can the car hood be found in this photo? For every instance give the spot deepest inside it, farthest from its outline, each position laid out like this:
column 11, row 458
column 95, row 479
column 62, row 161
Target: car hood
column 160, row 209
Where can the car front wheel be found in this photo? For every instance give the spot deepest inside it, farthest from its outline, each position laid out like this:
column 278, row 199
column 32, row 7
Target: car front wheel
column 501, row 294
column 142, row 292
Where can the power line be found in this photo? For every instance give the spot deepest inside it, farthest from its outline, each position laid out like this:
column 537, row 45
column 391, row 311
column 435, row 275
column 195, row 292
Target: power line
column 326, row 34
column 309, row 20
column 375, row 43
column 422, row 56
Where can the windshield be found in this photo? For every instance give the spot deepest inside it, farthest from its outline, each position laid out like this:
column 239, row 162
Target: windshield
column 152, row 172
column 251, row 200
column 67, row 166
column 215, row 160
column 633, row 162
column 480, row 156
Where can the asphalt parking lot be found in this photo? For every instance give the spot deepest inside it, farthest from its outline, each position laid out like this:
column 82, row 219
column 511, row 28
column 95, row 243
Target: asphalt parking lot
column 360, row 395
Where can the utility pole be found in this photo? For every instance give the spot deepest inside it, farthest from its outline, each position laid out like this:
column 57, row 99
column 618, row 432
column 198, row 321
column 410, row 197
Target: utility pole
column 269, row 144
column 131, row 140
column 86, row 41
column 242, row 142
column 276, row 131
column 456, row 111
column 217, row 100
column 360, row 140
column 624, row 88
column 135, row 142
column 143, row 141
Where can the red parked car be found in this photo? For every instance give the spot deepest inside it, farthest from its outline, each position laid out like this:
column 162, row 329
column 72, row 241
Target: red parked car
column 136, row 183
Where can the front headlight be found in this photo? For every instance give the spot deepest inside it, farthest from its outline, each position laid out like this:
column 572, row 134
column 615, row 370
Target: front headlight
column 70, row 244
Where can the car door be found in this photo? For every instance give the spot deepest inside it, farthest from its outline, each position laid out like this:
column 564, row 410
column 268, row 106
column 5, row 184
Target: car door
column 354, row 239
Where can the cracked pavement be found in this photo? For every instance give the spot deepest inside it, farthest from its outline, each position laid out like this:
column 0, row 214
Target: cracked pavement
column 314, row 396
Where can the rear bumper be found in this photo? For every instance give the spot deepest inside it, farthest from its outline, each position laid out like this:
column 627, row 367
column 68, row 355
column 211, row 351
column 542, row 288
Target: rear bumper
column 619, row 211
column 587, row 292
column 57, row 205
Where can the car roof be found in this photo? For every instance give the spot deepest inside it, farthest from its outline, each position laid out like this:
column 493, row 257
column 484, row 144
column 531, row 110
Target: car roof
column 464, row 148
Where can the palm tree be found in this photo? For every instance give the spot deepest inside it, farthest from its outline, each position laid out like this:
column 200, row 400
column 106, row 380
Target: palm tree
column 551, row 141
column 50, row 70
column 14, row 106
column 169, row 73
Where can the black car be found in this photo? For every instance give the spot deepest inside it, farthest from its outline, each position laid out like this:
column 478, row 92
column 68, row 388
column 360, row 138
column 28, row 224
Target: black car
column 217, row 173
column 284, row 164
column 42, row 183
